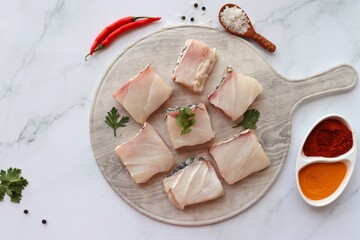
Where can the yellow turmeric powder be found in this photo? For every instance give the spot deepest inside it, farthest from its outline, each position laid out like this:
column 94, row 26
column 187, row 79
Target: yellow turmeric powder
column 320, row 180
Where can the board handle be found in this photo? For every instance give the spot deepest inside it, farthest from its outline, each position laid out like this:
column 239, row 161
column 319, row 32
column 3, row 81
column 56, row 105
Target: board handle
column 339, row 79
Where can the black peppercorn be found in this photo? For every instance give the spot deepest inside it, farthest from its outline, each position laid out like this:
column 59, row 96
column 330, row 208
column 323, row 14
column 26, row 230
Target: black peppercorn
column 183, row 17
column 192, row 19
column 26, row 211
column 203, row 8
column 196, row 5
column 43, row 221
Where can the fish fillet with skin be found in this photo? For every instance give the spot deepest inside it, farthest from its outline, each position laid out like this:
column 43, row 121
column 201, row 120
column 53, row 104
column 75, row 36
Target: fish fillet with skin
column 143, row 94
column 145, row 154
column 194, row 65
column 201, row 131
column 235, row 93
column 239, row 156
column 194, row 181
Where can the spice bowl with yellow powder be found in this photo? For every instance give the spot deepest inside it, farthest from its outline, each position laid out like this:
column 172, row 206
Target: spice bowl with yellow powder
column 326, row 160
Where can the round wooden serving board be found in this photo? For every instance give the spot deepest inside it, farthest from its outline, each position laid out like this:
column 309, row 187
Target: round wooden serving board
column 276, row 105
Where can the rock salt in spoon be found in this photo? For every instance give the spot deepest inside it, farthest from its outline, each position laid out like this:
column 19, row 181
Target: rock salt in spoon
column 236, row 22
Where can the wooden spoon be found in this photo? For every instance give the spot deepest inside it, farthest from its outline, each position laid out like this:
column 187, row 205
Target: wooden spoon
column 250, row 33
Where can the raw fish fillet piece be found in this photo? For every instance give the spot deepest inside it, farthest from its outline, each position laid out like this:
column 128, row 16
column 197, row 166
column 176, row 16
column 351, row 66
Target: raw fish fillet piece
column 145, row 154
column 194, row 65
column 235, row 93
column 143, row 94
column 194, row 181
column 201, row 131
column 239, row 156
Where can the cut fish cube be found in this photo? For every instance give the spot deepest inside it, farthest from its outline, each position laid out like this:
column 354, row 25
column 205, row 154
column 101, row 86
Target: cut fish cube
column 239, row 156
column 201, row 131
column 194, row 181
column 145, row 154
column 235, row 93
column 194, row 65
column 143, row 94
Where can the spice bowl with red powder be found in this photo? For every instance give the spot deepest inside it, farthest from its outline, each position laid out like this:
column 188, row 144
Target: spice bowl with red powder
column 326, row 160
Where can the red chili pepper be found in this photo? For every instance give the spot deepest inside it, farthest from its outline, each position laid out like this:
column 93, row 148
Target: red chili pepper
column 110, row 38
column 109, row 29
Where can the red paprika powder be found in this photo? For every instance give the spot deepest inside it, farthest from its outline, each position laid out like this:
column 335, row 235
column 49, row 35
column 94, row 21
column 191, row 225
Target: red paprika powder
column 330, row 138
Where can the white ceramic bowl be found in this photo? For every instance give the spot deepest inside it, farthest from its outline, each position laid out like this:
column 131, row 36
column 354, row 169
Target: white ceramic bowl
column 349, row 158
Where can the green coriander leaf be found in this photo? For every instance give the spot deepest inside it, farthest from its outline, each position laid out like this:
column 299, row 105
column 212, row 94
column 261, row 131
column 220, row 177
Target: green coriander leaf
column 122, row 122
column 112, row 119
column 2, row 192
column 250, row 119
column 185, row 119
column 12, row 184
column 185, row 131
column 16, row 198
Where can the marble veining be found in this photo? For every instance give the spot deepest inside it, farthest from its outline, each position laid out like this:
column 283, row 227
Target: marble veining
column 30, row 56
column 283, row 15
column 35, row 127
column 277, row 206
column 331, row 212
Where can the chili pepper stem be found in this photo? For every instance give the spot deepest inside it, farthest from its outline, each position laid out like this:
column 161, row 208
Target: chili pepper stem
column 99, row 47
column 87, row 56
column 136, row 18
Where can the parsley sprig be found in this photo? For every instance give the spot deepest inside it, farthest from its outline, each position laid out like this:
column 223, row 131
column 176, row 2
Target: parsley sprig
column 112, row 119
column 250, row 119
column 12, row 184
column 185, row 119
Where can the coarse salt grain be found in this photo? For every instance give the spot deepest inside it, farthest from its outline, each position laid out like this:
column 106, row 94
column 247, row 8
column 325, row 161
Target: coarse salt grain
column 235, row 19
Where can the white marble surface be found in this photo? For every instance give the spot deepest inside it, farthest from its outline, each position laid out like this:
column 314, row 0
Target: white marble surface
column 46, row 90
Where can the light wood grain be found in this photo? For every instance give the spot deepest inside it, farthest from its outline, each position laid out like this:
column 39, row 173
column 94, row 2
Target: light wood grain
column 276, row 104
